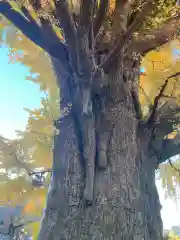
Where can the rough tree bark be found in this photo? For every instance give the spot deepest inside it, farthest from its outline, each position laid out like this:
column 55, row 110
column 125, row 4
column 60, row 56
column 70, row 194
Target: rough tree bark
column 105, row 154
column 126, row 203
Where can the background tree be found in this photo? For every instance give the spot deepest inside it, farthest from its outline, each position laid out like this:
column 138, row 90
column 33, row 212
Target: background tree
column 102, row 116
column 19, row 179
column 22, row 183
column 14, row 221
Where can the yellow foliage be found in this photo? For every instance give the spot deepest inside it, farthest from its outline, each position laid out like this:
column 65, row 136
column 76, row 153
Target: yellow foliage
column 111, row 6
column 158, row 66
column 173, row 236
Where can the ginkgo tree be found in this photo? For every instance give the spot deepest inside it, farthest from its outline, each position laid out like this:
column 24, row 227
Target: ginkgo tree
column 40, row 130
column 107, row 148
column 19, row 186
column 18, row 166
column 156, row 66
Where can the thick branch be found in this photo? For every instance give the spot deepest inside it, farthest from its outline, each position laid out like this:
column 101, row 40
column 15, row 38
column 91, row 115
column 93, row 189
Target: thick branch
column 32, row 31
column 158, row 36
column 85, row 45
column 100, row 16
column 120, row 16
column 53, row 43
column 27, row 14
column 85, row 31
column 68, row 25
column 66, row 21
column 123, row 40
column 86, row 12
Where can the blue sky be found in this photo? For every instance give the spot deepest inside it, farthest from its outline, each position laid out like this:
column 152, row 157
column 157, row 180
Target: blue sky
column 17, row 93
column 176, row 53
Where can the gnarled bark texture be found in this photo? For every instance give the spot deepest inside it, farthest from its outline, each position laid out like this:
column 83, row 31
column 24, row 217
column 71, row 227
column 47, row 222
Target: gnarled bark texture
column 126, row 203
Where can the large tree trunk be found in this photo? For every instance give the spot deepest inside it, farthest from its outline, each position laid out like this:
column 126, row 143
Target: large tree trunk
column 126, row 203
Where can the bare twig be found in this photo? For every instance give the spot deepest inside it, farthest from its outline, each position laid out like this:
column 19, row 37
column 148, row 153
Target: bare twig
column 169, row 97
column 152, row 115
column 174, row 75
column 48, row 170
column 146, row 96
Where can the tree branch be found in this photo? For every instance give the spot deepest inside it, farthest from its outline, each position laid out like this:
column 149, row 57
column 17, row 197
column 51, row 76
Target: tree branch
column 27, row 14
column 170, row 148
column 54, row 45
column 173, row 166
column 34, row 172
column 152, row 116
column 158, row 36
column 166, row 120
column 174, row 75
column 86, row 33
column 66, row 21
column 86, row 12
column 100, row 16
column 32, row 31
column 29, row 29
column 120, row 16
column 123, row 40
column 68, row 25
